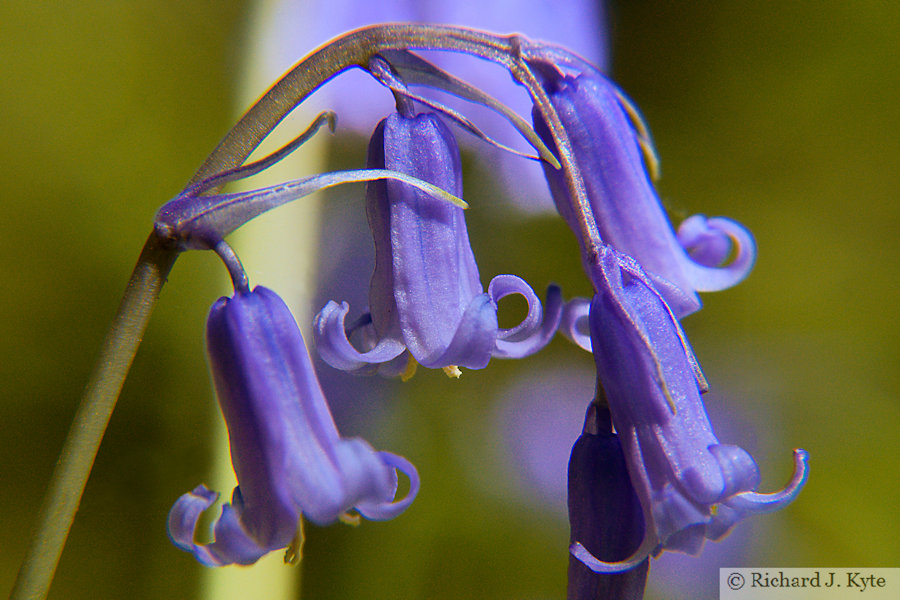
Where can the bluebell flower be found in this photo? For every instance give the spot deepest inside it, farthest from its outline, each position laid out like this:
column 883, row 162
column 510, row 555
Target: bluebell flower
column 604, row 512
column 425, row 298
column 691, row 486
column 607, row 137
column 288, row 456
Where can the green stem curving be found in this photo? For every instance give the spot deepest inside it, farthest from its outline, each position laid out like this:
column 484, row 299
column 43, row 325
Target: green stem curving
column 80, row 448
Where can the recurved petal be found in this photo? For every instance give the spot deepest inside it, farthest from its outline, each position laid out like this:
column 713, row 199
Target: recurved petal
column 330, row 334
column 232, row 544
column 704, row 245
column 709, row 243
column 742, row 505
column 388, row 509
column 574, row 323
column 755, row 502
column 183, row 518
column 506, row 285
column 540, row 323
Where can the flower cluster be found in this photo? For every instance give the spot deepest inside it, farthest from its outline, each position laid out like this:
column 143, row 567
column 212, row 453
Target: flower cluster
column 646, row 277
column 647, row 475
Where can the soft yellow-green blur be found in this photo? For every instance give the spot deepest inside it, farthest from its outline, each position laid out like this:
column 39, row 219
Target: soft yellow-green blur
column 783, row 116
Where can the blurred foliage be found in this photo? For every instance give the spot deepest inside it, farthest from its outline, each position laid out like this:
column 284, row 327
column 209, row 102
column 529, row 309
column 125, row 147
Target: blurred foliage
column 781, row 115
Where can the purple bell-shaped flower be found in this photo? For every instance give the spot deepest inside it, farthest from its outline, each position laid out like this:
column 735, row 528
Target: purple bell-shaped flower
column 287, row 453
column 607, row 138
column 426, row 302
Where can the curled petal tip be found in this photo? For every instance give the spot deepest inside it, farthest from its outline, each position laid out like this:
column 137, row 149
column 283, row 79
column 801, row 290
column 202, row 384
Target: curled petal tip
column 762, row 503
column 599, row 566
column 334, row 347
column 537, row 328
column 709, row 241
column 506, row 285
column 186, row 512
column 232, row 544
column 389, row 510
column 574, row 324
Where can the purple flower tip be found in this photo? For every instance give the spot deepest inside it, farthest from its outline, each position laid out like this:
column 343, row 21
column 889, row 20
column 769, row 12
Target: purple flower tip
column 289, row 458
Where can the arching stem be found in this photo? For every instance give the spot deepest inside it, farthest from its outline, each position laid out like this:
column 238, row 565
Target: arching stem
column 355, row 49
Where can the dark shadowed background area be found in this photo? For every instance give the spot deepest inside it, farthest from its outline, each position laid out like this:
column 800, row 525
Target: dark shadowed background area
column 784, row 116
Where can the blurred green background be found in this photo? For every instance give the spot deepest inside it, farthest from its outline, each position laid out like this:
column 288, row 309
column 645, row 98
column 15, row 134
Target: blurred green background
column 784, row 116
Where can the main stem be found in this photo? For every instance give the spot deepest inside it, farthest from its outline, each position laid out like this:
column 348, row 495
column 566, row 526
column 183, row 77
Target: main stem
column 77, row 457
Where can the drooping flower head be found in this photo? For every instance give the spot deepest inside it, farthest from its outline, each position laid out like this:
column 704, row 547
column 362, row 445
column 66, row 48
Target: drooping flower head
column 691, row 486
column 425, row 296
column 607, row 138
column 288, row 456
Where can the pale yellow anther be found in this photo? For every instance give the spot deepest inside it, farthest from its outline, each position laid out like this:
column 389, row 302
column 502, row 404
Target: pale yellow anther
column 410, row 370
column 294, row 552
column 347, row 519
column 452, row 371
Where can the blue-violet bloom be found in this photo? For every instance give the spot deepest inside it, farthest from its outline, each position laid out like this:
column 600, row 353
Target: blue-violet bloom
column 607, row 137
column 287, row 453
column 691, row 486
column 425, row 298
column 605, row 514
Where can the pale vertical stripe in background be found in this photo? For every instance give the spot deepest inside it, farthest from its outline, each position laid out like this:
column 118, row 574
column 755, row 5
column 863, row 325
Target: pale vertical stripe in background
column 278, row 252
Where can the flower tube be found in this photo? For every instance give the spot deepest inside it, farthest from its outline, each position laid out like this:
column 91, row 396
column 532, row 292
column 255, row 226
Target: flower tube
column 288, row 456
